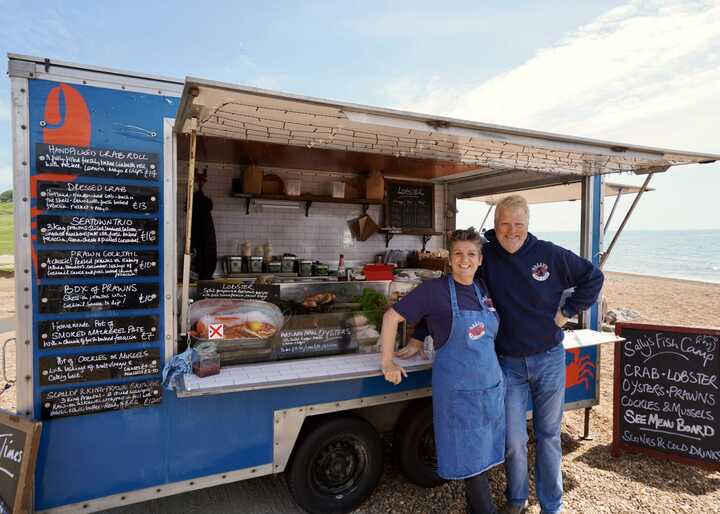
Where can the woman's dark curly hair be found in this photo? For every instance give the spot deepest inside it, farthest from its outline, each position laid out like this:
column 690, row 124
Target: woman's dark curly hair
column 465, row 234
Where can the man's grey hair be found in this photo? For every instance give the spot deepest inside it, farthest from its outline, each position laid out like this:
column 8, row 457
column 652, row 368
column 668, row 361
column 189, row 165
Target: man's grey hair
column 512, row 203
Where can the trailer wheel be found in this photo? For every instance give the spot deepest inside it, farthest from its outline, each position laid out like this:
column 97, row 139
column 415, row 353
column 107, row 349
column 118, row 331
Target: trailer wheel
column 336, row 466
column 414, row 445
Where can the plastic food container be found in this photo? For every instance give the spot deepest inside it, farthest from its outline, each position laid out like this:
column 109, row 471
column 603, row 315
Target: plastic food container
column 205, row 359
column 274, row 266
column 319, row 269
column 292, row 187
column 256, row 264
column 288, row 264
column 378, row 272
column 305, row 268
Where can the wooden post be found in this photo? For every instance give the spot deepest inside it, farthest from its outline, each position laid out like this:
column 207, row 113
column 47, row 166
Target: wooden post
column 185, row 297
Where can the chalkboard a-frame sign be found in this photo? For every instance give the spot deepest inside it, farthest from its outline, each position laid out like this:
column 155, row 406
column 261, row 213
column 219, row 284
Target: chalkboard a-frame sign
column 410, row 206
column 19, row 440
column 666, row 400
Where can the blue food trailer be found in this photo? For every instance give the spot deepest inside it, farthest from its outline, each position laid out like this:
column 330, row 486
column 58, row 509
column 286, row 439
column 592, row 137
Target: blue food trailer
column 104, row 168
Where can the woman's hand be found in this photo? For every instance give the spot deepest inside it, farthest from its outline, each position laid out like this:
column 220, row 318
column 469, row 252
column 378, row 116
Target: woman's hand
column 414, row 346
column 393, row 373
column 560, row 319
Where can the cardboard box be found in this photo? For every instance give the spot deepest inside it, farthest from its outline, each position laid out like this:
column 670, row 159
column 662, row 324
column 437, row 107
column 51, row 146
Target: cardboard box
column 272, row 185
column 354, row 188
column 375, row 186
column 252, row 180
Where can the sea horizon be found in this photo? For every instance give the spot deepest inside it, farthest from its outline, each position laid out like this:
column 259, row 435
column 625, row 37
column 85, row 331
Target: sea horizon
column 685, row 254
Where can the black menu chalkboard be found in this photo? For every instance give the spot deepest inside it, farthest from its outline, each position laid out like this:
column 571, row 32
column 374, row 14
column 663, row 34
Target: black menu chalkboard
column 97, row 263
column 57, row 299
column 410, row 205
column 94, row 399
column 96, row 162
column 68, row 369
column 19, row 440
column 70, row 333
column 86, row 230
column 76, row 196
column 667, row 393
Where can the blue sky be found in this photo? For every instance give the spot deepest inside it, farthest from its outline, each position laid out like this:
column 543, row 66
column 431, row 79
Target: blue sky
column 637, row 72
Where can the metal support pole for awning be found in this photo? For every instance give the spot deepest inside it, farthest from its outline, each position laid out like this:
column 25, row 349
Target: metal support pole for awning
column 185, row 298
column 605, row 255
column 612, row 211
column 486, row 217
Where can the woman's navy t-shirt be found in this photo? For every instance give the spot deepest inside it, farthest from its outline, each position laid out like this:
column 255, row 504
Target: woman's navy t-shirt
column 431, row 301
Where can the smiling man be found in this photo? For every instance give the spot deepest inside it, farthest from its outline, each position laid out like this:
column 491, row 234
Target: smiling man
column 526, row 278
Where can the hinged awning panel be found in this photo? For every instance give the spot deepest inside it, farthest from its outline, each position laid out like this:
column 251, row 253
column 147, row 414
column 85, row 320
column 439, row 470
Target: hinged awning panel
column 248, row 114
column 560, row 193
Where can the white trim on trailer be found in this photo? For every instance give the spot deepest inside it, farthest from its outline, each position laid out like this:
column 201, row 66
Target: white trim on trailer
column 170, row 234
column 24, row 343
column 59, row 71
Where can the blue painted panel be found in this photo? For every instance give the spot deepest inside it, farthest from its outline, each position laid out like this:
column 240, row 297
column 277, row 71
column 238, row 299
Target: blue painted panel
column 94, row 455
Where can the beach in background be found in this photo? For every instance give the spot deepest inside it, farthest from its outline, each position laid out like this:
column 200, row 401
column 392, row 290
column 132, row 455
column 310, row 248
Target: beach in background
column 684, row 254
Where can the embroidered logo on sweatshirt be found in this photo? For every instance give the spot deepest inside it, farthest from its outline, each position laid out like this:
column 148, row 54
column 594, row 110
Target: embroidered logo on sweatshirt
column 477, row 330
column 540, row 272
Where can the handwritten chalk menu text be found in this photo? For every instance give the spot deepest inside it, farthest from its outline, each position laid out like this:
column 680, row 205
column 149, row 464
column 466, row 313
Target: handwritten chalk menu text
column 67, row 369
column 91, row 400
column 72, row 196
column 239, row 291
column 667, row 393
column 97, row 297
column 85, row 230
column 96, row 162
column 410, row 205
column 97, row 331
column 97, row 263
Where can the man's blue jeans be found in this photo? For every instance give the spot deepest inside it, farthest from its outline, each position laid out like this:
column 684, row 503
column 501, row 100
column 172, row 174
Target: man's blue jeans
column 539, row 377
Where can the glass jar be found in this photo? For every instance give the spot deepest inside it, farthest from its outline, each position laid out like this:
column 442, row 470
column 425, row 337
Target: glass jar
column 205, row 359
column 305, row 268
column 256, row 264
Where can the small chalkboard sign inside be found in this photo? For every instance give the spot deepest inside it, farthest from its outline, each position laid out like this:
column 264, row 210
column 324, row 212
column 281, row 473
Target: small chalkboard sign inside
column 239, row 291
column 19, row 440
column 667, row 393
column 410, row 205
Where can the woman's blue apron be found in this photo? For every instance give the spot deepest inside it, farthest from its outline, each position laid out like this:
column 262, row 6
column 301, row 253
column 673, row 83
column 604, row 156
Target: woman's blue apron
column 468, row 394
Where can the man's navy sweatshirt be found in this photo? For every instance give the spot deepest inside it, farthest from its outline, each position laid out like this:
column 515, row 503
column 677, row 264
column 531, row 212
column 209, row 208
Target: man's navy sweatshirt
column 526, row 288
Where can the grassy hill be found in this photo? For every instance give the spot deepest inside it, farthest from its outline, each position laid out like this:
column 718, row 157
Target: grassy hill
column 7, row 235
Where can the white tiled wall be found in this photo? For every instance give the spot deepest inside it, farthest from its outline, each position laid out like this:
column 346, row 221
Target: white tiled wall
column 323, row 235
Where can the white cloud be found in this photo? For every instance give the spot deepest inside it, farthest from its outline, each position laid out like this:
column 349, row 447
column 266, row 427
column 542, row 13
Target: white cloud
column 645, row 73
column 637, row 62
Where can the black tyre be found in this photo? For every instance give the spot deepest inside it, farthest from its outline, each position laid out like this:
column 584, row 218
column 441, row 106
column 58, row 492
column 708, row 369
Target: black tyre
column 414, row 445
column 336, row 465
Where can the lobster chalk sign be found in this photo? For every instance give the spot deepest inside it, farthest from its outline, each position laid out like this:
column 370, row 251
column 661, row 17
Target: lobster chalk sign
column 19, row 439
